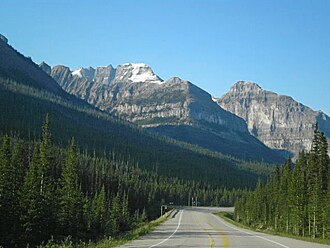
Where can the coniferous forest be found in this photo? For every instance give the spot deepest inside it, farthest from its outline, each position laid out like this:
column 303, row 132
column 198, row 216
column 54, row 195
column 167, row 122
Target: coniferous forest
column 47, row 191
column 296, row 198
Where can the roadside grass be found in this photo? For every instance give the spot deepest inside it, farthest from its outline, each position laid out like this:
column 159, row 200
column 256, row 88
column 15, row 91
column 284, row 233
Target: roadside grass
column 229, row 216
column 112, row 242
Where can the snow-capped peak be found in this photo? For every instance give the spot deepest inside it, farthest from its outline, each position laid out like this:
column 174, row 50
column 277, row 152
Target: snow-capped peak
column 141, row 72
column 77, row 73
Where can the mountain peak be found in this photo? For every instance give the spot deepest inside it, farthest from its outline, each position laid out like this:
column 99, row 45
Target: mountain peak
column 139, row 72
column 45, row 67
column 242, row 86
column 277, row 120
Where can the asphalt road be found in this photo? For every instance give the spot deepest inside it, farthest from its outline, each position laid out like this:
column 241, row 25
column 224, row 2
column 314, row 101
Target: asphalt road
column 198, row 227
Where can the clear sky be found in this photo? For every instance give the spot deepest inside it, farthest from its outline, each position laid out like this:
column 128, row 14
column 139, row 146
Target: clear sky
column 283, row 45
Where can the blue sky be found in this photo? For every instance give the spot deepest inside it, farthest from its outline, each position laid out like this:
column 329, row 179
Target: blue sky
column 282, row 45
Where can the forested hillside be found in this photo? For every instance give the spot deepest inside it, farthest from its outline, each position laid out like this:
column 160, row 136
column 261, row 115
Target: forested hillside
column 49, row 191
column 27, row 94
column 296, row 198
column 23, row 109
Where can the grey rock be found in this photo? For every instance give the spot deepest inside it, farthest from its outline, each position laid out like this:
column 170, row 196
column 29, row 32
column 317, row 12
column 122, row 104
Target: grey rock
column 278, row 121
column 45, row 67
column 136, row 93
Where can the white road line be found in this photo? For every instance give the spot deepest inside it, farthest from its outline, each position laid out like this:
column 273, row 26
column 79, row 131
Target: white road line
column 257, row 236
column 177, row 228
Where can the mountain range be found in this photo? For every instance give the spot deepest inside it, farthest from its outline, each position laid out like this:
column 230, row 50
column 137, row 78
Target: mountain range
column 28, row 94
column 174, row 107
column 239, row 123
column 247, row 122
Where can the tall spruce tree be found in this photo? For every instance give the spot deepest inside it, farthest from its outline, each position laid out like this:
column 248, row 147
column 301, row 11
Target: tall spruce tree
column 298, row 195
column 284, row 195
column 48, row 182
column 99, row 212
column 39, row 192
column 6, row 194
column 31, row 202
column 71, row 198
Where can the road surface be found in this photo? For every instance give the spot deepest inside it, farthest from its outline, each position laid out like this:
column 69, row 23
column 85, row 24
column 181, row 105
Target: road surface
column 198, row 228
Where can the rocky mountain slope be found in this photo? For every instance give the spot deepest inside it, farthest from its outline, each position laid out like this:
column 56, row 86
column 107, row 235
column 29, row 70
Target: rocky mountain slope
column 278, row 121
column 27, row 94
column 175, row 107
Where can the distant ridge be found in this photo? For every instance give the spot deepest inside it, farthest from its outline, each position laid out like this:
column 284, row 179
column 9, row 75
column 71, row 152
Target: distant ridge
column 278, row 121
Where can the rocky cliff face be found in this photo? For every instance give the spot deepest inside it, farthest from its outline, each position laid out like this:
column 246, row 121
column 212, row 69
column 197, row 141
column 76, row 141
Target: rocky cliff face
column 136, row 93
column 278, row 121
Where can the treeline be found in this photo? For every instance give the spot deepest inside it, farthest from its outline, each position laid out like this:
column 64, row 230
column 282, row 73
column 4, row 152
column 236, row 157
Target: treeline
column 296, row 199
column 47, row 191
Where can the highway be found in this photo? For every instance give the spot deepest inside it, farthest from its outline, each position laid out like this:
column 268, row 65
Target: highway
column 198, row 227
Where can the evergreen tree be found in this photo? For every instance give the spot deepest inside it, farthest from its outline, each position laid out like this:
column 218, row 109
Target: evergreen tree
column 298, row 200
column 324, row 178
column 48, row 182
column 284, row 195
column 6, row 194
column 260, row 203
column 115, row 213
column 298, row 195
column 71, row 198
column 31, row 202
column 125, row 220
column 99, row 211
column 16, row 181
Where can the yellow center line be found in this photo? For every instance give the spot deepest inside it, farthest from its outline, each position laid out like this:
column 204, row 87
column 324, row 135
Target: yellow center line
column 222, row 235
column 208, row 234
column 211, row 240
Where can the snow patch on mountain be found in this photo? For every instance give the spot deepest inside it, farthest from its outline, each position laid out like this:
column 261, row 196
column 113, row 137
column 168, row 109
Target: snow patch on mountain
column 214, row 99
column 77, row 73
column 142, row 73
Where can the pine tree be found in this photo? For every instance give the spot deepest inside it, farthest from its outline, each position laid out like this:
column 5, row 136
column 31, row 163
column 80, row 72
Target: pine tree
column 298, row 194
column 115, row 212
column 284, row 193
column 71, row 198
column 324, row 178
column 16, row 181
column 317, row 168
column 48, row 183
column 39, row 196
column 260, row 203
column 6, row 196
column 275, row 197
column 31, row 202
column 99, row 212
column 125, row 221
column 327, row 209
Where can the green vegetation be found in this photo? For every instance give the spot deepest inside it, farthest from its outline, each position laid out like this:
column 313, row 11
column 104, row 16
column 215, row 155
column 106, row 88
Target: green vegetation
column 47, row 191
column 110, row 242
column 295, row 200
column 23, row 108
